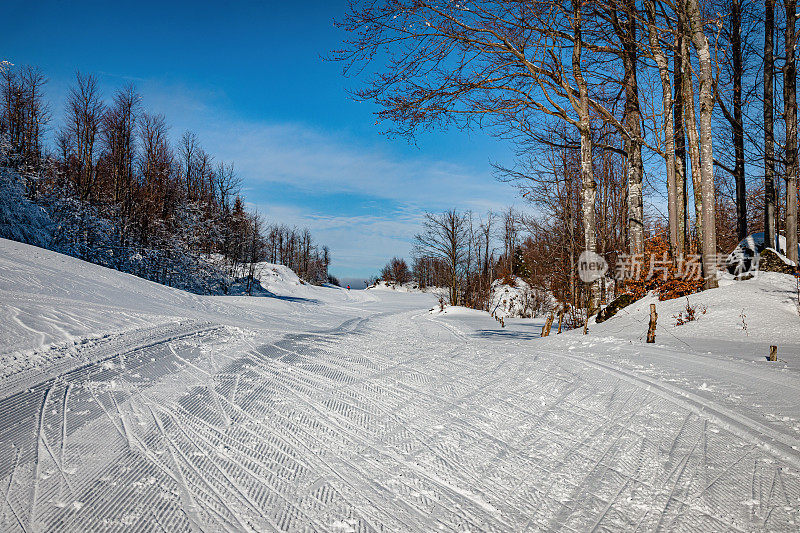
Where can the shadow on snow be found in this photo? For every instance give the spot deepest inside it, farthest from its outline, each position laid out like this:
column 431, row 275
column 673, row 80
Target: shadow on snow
column 505, row 334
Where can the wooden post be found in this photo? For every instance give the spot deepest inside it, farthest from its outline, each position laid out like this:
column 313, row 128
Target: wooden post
column 547, row 325
column 651, row 331
column 502, row 322
column 560, row 319
column 773, row 353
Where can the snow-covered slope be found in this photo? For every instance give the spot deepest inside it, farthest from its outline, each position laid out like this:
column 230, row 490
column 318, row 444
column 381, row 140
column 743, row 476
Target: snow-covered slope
column 53, row 306
column 282, row 280
column 739, row 317
column 410, row 286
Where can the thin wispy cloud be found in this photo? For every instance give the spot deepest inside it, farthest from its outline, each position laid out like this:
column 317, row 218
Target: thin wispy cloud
column 315, row 160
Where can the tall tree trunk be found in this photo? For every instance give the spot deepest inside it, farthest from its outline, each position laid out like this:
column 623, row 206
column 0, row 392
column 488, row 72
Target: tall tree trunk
column 588, row 185
column 571, row 225
column 790, row 116
column 669, row 135
column 633, row 120
column 690, row 125
column 706, row 102
column 452, row 234
column 738, row 125
column 680, row 143
column 769, row 136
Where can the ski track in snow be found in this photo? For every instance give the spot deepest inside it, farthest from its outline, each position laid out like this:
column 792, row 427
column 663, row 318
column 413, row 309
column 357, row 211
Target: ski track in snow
column 365, row 412
column 393, row 421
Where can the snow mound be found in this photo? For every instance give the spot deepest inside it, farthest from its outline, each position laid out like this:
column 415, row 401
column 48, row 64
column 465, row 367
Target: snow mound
column 518, row 299
column 744, row 257
column 278, row 279
column 458, row 310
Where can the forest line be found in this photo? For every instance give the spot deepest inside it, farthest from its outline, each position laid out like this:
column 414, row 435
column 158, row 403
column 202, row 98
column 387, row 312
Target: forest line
column 119, row 192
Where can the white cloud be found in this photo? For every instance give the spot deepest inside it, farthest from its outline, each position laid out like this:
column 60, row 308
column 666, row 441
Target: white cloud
column 310, row 159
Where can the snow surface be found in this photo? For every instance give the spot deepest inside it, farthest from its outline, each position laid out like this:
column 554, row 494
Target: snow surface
column 133, row 406
column 741, row 319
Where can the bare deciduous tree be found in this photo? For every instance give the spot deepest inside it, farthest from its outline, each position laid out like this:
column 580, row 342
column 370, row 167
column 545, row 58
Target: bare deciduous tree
column 770, row 199
column 444, row 236
column 84, row 116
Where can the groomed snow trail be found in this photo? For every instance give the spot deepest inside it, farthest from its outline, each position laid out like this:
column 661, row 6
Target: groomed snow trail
column 393, row 420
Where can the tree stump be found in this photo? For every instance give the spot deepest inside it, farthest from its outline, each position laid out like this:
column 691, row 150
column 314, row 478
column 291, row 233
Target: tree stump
column 773, row 353
column 547, row 325
column 651, row 330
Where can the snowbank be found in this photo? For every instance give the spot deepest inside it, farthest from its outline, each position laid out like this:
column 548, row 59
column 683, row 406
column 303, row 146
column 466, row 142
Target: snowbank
column 739, row 316
column 271, row 274
column 281, row 280
column 457, row 310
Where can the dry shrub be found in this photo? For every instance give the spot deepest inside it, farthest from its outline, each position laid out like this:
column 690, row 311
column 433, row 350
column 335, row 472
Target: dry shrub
column 667, row 281
column 691, row 313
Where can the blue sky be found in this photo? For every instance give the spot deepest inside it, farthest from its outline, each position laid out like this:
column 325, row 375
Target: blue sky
column 247, row 77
